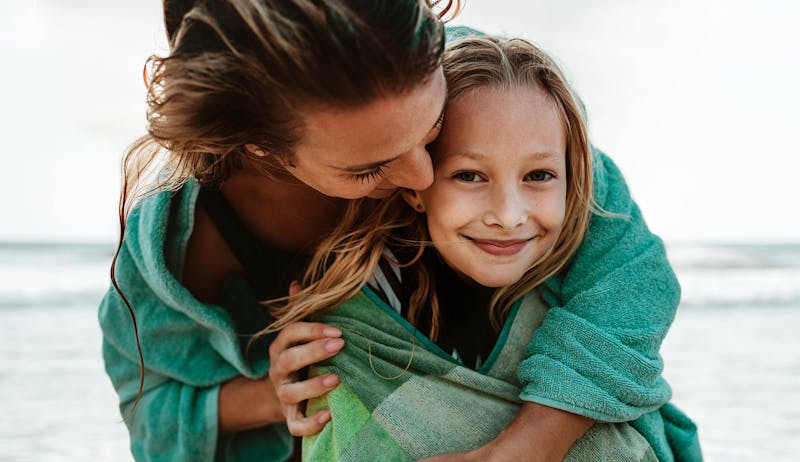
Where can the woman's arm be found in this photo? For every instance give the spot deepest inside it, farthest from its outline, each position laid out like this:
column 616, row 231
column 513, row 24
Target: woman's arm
column 187, row 417
column 251, row 403
column 537, row 434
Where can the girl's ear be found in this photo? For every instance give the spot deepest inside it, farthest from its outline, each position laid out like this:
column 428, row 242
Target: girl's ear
column 413, row 199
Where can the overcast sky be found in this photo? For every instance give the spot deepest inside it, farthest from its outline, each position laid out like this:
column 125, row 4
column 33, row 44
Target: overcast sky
column 696, row 101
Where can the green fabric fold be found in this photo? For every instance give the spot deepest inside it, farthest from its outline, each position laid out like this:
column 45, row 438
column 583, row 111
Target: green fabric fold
column 401, row 400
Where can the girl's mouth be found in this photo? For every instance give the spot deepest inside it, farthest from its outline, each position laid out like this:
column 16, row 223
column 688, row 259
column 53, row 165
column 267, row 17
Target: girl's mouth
column 500, row 247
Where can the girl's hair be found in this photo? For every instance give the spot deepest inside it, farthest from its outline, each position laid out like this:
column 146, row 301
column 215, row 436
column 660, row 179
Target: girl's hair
column 348, row 258
column 244, row 71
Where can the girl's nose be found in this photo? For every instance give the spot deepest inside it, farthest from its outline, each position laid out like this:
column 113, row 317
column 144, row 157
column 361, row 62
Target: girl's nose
column 506, row 208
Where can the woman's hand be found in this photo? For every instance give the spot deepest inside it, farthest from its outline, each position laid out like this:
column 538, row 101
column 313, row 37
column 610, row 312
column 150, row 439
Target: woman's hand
column 297, row 346
column 251, row 403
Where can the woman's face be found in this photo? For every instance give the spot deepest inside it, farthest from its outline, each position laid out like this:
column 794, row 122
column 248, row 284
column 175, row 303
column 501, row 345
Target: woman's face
column 374, row 149
column 498, row 199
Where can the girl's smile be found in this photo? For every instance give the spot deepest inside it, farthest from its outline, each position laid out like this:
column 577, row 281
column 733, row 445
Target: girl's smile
column 500, row 247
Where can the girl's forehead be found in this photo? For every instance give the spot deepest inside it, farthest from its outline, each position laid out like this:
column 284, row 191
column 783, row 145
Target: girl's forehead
column 489, row 120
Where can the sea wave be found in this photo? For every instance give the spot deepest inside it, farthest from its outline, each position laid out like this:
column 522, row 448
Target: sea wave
column 741, row 275
column 740, row 287
column 732, row 256
column 710, row 275
column 53, row 274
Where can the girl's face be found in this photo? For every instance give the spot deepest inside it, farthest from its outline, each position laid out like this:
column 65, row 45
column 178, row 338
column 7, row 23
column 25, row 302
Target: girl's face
column 498, row 199
column 374, row 149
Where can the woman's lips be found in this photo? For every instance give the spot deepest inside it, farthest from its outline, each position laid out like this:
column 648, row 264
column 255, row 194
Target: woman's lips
column 500, row 247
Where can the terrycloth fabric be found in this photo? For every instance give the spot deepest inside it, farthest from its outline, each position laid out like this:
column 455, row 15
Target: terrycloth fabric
column 597, row 352
column 402, row 398
column 189, row 348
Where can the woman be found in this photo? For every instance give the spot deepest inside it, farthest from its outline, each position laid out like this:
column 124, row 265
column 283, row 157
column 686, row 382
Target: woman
column 269, row 114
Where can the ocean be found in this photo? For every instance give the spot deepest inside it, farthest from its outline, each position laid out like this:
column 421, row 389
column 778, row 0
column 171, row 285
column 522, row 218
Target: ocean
column 732, row 356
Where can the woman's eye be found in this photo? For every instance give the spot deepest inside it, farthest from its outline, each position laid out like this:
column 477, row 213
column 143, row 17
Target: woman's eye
column 368, row 177
column 467, row 177
column 538, row 175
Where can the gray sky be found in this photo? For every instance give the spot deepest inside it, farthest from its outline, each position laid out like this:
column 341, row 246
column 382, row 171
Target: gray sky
column 696, row 101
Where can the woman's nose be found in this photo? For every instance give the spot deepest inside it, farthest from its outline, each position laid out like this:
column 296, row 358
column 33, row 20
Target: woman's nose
column 413, row 170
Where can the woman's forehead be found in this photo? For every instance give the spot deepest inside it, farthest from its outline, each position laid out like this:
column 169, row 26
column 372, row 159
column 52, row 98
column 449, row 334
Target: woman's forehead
column 375, row 132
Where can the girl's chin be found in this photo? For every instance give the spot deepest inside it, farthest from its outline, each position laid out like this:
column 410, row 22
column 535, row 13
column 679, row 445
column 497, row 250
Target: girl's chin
column 495, row 281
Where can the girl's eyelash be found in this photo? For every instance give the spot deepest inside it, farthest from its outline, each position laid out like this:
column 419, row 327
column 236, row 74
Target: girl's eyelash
column 460, row 176
column 370, row 176
column 548, row 175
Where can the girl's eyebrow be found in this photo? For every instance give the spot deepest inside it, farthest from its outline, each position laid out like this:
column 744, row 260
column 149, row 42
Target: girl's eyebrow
column 479, row 156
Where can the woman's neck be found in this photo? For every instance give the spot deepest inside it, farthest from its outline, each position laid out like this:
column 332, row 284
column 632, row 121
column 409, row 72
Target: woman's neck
column 283, row 213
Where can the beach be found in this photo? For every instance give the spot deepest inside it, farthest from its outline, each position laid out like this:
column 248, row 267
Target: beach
column 732, row 355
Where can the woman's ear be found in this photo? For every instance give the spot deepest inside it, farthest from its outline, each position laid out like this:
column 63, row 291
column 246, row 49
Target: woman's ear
column 413, row 199
column 255, row 150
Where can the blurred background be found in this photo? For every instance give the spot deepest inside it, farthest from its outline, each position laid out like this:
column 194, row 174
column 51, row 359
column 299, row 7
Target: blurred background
column 697, row 102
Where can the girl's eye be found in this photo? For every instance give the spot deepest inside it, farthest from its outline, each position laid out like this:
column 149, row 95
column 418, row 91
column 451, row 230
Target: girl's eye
column 538, row 175
column 467, row 177
column 368, row 177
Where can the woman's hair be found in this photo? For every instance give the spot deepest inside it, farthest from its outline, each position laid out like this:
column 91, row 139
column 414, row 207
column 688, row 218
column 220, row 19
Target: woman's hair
column 348, row 258
column 244, row 72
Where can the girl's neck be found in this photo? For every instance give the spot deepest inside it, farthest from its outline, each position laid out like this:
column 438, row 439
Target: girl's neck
column 456, row 279
column 283, row 213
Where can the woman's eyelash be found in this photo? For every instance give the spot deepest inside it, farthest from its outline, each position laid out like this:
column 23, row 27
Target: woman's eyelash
column 439, row 122
column 372, row 175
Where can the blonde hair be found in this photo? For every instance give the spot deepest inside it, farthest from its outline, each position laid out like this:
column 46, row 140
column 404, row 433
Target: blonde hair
column 346, row 260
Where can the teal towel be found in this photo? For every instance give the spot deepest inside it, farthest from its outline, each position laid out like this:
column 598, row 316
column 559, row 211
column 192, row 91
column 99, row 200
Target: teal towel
column 402, row 398
column 189, row 348
column 597, row 352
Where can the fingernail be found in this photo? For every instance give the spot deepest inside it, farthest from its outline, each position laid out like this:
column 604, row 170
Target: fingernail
column 331, row 332
column 323, row 416
column 330, row 380
column 334, row 344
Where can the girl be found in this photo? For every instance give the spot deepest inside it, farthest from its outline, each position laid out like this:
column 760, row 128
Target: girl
column 509, row 206
column 267, row 113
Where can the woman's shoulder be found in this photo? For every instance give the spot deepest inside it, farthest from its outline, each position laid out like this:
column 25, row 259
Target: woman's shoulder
column 161, row 211
column 156, row 232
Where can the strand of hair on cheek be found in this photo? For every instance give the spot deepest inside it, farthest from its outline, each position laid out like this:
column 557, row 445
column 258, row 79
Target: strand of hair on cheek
column 372, row 365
